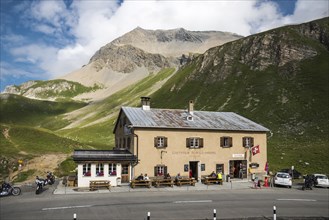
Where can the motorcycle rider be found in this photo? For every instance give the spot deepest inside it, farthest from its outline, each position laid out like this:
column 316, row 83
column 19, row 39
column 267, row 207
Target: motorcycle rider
column 40, row 183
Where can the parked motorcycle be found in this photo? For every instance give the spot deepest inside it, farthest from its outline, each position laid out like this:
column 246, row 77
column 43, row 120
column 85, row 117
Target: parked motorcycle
column 7, row 189
column 50, row 178
column 308, row 182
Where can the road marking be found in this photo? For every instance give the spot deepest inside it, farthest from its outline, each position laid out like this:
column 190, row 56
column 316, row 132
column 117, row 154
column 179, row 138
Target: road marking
column 303, row 200
column 67, row 207
column 192, row 201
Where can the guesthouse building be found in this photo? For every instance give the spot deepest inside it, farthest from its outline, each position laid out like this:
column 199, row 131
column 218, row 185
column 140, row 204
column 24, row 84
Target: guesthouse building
column 184, row 140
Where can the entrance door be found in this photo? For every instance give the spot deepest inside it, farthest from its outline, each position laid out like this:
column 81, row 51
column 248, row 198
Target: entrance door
column 238, row 168
column 125, row 173
column 194, row 169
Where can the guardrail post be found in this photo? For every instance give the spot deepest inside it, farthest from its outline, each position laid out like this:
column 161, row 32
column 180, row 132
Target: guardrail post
column 74, row 216
column 274, row 212
column 148, row 215
column 215, row 214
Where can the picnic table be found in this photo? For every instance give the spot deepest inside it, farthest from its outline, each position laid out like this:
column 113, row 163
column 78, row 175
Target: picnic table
column 96, row 184
column 135, row 183
column 209, row 179
column 185, row 181
column 162, row 181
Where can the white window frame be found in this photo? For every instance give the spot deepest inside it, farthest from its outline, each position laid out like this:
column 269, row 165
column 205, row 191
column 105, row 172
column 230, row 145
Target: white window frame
column 99, row 169
column 86, row 168
column 194, row 142
column 112, row 168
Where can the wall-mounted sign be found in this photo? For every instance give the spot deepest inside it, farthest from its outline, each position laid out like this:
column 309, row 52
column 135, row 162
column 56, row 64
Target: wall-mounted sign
column 254, row 165
column 185, row 167
column 238, row 155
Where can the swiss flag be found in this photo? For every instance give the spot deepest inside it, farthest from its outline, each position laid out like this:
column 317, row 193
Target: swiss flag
column 255, row 150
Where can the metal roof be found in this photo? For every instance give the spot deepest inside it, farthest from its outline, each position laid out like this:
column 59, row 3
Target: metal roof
column 103, row 155
column 178, row 119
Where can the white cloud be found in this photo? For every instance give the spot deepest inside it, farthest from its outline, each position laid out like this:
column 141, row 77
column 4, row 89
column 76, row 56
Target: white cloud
column 308, row 10
column 92, row 24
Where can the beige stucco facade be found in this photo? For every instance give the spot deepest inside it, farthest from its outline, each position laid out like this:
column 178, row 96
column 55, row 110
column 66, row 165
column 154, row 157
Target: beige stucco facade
column 177, row 158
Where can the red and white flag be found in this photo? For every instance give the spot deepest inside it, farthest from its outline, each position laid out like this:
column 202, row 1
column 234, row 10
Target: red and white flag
column 255, row 150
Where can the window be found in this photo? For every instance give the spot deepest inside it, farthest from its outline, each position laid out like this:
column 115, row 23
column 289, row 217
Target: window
column 194, row 142
column 112, row 169
column 125, row 168
column 226, row 141
column 160, row 142
column 247, row 142
column 219, row 168
column 86, row 168
column 160, row 170
column 99, row 169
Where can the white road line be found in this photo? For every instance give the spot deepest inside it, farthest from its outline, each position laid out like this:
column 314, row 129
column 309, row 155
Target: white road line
column 195, row 201
column 303, row 200
column 67, row 207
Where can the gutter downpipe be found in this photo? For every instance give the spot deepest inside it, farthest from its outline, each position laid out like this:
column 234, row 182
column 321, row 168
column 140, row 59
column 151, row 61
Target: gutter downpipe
column 132, row 131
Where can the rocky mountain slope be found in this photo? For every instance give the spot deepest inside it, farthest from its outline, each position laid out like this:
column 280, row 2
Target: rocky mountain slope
column 175, row 42
column 140, row 52
column 129, row 59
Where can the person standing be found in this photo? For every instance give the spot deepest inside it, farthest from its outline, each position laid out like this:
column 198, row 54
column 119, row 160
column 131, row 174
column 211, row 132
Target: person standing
column 190, row 174
column 220, row 178
column 241, row 171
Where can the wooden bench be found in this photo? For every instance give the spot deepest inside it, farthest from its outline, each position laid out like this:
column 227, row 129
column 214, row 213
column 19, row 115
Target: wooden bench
column 185, row 181
column 163, row 182
column 208, row 180
column 93, row 185
column 135, row 183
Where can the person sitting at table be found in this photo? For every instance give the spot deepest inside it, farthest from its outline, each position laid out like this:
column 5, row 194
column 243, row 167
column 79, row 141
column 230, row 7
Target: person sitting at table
column 178, row 176
column 167, row 176
column 146, row 177
column 140, row 177
column 220, row 178
column 213, row 174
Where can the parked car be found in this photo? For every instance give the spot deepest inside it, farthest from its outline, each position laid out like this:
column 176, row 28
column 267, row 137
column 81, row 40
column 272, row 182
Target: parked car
column 283, row 179
column 294, row 173
column 320, row 180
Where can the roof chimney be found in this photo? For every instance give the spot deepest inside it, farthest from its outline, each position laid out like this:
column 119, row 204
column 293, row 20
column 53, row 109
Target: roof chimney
column 191, row 107
column 145, row 103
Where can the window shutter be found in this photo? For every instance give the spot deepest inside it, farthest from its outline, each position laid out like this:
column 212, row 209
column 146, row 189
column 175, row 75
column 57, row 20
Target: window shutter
column 155, row 171
column 244, row 142
column 165, row 142
column 156, row 142
column 200, row 142
column 165, row 170
column 221, row 141
column 187, row 142
column 251, row 142
column 230, row 141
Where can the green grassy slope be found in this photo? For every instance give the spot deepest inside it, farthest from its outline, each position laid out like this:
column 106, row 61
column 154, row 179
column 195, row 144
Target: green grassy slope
column 103, row 114
column 292, row 104
column 27, row 142
column 59, row 89
column 19, row 110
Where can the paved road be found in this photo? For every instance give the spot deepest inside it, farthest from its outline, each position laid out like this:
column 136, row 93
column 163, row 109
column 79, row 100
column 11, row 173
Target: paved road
column 229, row 204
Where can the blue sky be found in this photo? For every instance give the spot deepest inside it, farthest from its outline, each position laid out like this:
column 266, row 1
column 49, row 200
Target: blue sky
column 46, row 39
